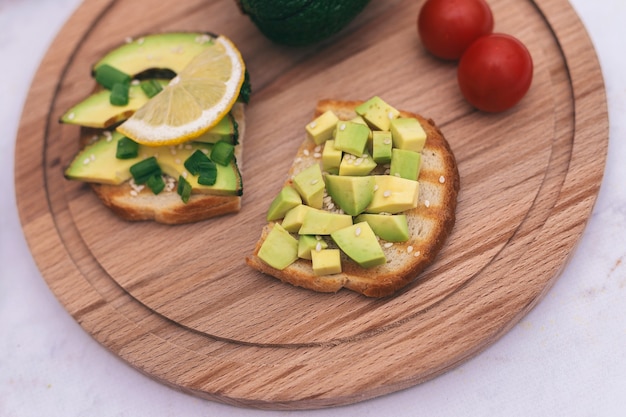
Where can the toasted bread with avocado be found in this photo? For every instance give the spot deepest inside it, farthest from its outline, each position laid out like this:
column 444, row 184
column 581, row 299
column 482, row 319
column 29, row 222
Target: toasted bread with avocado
column 137, row 203
column 180, row 179
column 429, row 223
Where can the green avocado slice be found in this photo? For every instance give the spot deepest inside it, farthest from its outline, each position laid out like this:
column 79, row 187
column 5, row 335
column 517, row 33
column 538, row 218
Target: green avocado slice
column 160, row 53
column 97, row 163
column 97, row 111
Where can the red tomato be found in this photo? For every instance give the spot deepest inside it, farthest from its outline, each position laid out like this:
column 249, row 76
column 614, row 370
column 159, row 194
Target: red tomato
column 495, row 72
column 448, row 27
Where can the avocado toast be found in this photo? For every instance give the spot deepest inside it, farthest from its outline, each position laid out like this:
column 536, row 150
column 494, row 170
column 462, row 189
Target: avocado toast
column 344, row 248
column 160, row 150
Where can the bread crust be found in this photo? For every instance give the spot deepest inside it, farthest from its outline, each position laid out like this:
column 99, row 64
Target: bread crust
column 167, row 207
column 430, row 223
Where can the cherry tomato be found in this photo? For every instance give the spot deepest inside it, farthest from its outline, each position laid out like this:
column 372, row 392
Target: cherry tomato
column 495, row 72
column 448, row 27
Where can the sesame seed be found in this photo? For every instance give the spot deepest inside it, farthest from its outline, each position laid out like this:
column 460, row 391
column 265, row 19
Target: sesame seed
column 409, row 249
column 318, row 247
column 203, row 38
column 318, row 148
column 375, row 187
column 331, row 206
column 306, row 152
column 312, row 125
column 71, row 116
column 427, row 203
column 317, row 155
column 387, row 193
column 387, row 141
column 129, row 39
column 342, row 126
column 357, row 231
column 204, row 151
column 387, row 171
column 175, row 80
column 387, row 245
column 442, row 179
column 314, row 181
column 358, row 161
column 416, row 254
column 390, row 115
column 135, row 82
column 133, row 193
column 86, row 161
column 185, row 174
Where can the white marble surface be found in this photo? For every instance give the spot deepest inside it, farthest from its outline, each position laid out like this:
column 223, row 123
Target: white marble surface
column 566, row 358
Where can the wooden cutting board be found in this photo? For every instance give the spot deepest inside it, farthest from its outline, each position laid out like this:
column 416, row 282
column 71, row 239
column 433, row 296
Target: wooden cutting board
column 180, row 305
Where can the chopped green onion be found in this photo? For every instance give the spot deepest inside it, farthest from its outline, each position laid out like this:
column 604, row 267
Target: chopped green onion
column 246, row 89
column 156, row 183
column 208, row 173
column 222, row 153
column 193, row 162
column 119, row 94
column 126, row 148
column 183, row 189
column 143, row 170
column 151, row 87
column 107, row 76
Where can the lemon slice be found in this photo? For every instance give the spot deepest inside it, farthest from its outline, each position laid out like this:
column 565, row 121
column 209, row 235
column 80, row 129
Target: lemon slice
column 193, row 102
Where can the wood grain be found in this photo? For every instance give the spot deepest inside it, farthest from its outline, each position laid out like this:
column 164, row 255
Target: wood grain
column 180, row 305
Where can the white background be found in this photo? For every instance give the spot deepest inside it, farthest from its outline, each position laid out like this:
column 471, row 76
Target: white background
column 566, row 358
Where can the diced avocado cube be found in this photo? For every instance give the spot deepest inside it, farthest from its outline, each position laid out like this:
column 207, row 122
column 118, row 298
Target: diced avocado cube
column 393, row 194
column 331, row 157
column 351, row 193
column 292, row 222
column 321, row 222
column 360, row 120
column 360, row 244
column 326, row 261
column 392, row 228
column 351, row 137
column 377, row 113
column 310, row 184
column 356, row 166
column 280, row 249
column 321, row 129
column 381, row 146
column 405, row 164
column 286, row 199
column 408, row 133
column 308, row 243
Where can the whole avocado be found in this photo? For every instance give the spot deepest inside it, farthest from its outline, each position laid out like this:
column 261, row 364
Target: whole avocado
column 301, row 22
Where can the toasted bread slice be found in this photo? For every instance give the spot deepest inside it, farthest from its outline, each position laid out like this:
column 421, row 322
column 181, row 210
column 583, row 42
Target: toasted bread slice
column 429, row 224
column 136, row 204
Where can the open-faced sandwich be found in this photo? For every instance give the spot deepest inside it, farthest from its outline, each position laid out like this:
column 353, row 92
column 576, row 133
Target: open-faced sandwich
column 162, row 133
column 369, row 201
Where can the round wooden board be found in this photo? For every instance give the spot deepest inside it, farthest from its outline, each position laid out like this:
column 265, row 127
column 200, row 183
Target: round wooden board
column 178, row 302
